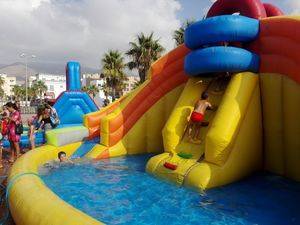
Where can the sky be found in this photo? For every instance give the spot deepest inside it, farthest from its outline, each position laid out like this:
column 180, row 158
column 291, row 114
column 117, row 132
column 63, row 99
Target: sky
column 57, row 31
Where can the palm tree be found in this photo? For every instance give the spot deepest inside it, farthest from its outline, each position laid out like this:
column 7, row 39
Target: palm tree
column 19, row 92
column 92, row 90
column 85, row 89
column 178, row 35
column 143, row 53
column 32, row 92
column 2, row 81
column 137, row 84
column 40, row 88
column 113, row 73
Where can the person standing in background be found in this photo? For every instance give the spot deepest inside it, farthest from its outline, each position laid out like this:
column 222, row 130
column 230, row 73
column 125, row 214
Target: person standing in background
column 13, row 137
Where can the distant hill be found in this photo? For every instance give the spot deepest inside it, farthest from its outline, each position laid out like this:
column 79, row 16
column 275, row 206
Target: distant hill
column 18, row 69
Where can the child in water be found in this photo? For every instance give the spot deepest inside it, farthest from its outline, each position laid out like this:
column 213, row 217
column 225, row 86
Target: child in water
column 62, row 156
column 197, row 117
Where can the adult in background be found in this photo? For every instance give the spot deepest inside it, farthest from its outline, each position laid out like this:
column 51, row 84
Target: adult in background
column 51, row 111
column 13, row 136
column 4, row 131
column 48, row 117
column 33, row 124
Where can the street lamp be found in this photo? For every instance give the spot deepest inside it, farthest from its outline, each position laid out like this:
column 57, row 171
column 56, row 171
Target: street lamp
column 26, row 56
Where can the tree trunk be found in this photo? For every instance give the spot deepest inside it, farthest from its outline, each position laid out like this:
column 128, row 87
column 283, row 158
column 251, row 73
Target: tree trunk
column 114, row 94
column 142, row 75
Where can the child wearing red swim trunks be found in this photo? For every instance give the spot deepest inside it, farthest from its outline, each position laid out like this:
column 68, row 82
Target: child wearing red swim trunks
column 197, row 117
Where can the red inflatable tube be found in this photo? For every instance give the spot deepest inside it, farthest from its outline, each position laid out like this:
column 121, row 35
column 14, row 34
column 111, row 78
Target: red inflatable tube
column 170, row 166
column 250, row 8
column 272, row 10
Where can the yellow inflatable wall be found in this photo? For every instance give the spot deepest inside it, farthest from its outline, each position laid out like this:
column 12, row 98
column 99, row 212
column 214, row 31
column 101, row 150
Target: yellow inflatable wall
column 31, row 202
column 281, row 110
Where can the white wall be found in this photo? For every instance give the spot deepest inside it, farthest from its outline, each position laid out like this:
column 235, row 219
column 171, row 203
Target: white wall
column 56, row 84
column 9, row 82
column 99, row 84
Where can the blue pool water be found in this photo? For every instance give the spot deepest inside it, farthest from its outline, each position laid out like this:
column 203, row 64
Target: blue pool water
column 118, row 191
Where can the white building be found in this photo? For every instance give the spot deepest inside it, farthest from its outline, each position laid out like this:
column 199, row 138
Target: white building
column 99, row 84
column 130, row 84
column 56, row 84
column 9, row 83
column 97, row 80
column 88, row 77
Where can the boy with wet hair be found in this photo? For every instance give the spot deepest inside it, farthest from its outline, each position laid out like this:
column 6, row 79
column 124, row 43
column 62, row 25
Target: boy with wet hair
column 62, row 156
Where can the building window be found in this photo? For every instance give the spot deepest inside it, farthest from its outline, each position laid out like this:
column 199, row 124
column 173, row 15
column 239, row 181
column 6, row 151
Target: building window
column 61, row 86
column 51, row 87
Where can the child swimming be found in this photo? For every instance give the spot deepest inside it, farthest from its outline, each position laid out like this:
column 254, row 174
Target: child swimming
column 62, row 157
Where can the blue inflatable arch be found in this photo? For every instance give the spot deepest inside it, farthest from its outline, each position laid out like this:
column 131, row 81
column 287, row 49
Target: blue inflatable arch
column 72, row 104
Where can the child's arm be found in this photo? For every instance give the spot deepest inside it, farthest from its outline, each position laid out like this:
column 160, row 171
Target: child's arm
column 40, row 119
column 40, row 125
column 70, row 161
column 212, row 107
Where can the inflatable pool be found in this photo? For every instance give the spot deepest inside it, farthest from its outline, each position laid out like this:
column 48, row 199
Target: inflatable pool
column 255, row 126
column 24, row 142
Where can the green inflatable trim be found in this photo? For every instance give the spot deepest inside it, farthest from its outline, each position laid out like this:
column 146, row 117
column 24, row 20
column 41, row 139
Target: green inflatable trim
column 185, row 155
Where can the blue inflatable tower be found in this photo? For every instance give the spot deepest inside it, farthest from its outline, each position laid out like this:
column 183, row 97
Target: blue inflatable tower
column 72, row 104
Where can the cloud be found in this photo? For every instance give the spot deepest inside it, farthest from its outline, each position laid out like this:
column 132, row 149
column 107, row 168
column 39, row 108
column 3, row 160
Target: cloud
column 293, row 6
column 62, row 30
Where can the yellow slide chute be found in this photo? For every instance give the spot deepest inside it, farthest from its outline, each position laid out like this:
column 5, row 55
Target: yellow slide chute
column 225, row 140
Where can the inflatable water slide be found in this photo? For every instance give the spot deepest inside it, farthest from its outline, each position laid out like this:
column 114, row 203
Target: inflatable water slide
column 255, row 124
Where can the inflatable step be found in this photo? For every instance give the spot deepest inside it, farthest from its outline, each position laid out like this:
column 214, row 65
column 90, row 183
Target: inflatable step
column 228, row 28
column 185, row 155
column 170, row 166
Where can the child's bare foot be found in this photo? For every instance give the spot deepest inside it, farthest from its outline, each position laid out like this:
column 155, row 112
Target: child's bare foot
column 197, row 141
column 11, row 160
